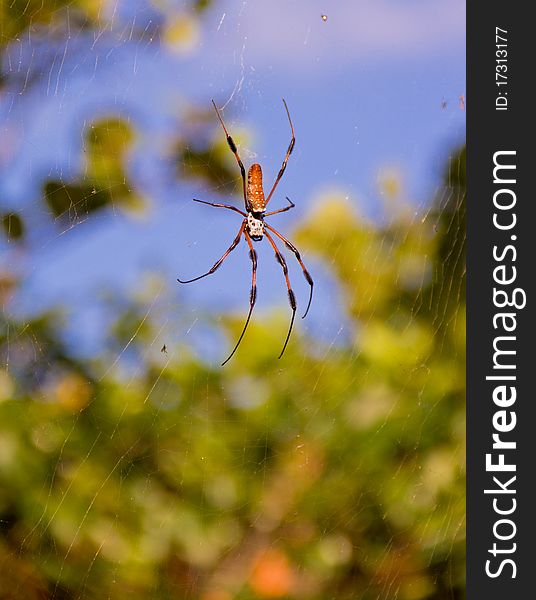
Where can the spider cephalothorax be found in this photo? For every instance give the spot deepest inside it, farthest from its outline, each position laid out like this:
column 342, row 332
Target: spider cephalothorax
column 254, row 228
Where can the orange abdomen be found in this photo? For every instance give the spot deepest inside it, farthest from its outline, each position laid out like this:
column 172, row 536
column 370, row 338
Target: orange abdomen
column 255, row 192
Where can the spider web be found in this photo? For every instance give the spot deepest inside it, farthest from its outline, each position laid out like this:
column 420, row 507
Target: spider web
column 130, row 462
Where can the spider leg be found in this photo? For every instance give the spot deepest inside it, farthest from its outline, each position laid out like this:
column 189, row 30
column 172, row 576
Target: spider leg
column 252, row 295
column 275, row 212
column 225, row 255
column 234, row 150
column 228, row 206
column 293, row 248
column 289, row 151
column 291, row 297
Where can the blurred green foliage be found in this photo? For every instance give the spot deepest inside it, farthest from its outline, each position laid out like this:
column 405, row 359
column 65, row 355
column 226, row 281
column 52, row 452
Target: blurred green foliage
column 18, row 16
column 338, row 472
column 104, row 180
column 13, row 226
column 57, row 20
column 201, row 152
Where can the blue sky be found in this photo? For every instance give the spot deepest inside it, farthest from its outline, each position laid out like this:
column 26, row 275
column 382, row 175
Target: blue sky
column 366, row 89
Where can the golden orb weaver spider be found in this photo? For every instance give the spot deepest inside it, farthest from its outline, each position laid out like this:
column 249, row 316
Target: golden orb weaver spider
column 253, row 228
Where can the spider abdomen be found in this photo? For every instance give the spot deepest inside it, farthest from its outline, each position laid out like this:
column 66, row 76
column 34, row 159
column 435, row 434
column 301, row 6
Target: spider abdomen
column 255, row 192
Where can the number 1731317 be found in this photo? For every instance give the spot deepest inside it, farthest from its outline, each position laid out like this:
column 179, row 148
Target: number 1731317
column 501, row 68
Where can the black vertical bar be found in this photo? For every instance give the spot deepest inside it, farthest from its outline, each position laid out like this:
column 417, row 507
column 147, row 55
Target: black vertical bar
column 499, row 120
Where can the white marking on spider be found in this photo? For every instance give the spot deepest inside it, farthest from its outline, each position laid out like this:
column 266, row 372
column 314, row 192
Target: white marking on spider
column 255, row 226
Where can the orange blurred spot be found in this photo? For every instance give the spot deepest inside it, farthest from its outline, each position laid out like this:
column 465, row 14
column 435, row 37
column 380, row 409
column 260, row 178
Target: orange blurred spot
column 272, row 574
